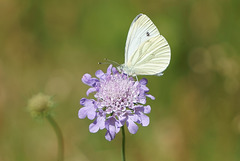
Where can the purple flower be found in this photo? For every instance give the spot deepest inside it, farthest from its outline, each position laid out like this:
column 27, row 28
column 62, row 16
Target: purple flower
column 119, row 99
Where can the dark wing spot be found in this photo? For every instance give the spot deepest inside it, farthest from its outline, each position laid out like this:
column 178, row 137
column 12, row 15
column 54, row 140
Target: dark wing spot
column 148, row 34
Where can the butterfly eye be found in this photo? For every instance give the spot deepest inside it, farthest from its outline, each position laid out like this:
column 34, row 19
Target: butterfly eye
column 148, row 34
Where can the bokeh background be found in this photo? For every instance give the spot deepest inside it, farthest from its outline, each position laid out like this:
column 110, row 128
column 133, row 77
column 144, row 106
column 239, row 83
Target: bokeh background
column 46, row 46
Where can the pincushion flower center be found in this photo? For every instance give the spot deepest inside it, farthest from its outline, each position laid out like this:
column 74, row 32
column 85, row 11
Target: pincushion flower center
column 116, row 94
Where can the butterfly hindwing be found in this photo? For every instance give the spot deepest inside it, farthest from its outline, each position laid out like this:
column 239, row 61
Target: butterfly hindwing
column 151, row 58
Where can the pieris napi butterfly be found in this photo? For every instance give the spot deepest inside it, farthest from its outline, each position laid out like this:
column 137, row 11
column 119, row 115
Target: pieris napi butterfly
column 146, row 51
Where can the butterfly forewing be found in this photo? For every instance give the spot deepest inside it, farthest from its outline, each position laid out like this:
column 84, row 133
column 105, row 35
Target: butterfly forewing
column 141, row 30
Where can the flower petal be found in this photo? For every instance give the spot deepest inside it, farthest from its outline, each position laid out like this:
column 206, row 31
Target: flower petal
column 93, row 127
column 89, row 102
column 110, row 125
column 89, row 110
column 91, row 114
column 101, row 122
column 82, row 113
column 117, row 129
column 91, row 90
column 132, row 127
column 144, row 88
column 143, row 81
column 144, row 119
column 109, row 69
column 99, row 74
column 134, row 117
column 150, row 96
column 147, row 109
column 142, row 100
column 82, row 101
column 122, row 121
column 87, row 79
column 114, row 70
column 108, row 136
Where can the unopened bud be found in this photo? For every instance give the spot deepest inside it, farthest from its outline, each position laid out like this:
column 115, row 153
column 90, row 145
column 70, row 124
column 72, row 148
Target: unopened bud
column 40, row 105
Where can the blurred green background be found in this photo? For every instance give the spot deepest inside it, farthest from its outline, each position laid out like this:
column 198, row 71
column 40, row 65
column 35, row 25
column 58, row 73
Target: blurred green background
column 48, row 45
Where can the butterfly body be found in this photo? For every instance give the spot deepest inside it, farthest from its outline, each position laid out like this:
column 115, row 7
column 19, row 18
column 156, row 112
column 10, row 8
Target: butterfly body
column 146, row 51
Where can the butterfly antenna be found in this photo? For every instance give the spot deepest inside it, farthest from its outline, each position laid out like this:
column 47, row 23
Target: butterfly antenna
column 104, row 63
column 111, row 61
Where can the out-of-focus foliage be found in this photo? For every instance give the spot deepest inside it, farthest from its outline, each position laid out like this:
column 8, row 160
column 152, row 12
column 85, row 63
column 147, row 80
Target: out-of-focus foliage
column 47, row 46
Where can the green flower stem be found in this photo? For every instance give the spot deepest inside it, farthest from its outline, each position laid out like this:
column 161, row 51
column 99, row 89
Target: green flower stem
column 59, row 137
column 123, row 144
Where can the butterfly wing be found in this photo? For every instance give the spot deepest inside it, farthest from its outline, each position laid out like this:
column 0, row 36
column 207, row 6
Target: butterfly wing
column 141, row 30
column 151, row 58
column 146, row 52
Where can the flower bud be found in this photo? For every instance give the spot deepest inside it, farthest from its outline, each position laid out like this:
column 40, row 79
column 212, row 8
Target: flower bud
column 40, row 105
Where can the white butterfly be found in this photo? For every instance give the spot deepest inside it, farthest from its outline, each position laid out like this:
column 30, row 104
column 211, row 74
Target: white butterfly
column 146, row 51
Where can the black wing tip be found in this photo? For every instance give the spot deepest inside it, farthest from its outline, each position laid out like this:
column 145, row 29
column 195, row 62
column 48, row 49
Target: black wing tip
column 137, row 17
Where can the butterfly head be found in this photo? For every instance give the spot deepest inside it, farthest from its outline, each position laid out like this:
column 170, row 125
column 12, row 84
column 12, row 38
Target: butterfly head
column 123, row 68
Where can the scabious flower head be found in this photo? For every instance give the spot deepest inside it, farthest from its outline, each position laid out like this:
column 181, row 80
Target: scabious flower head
column 119, row 99
column 40, row 105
